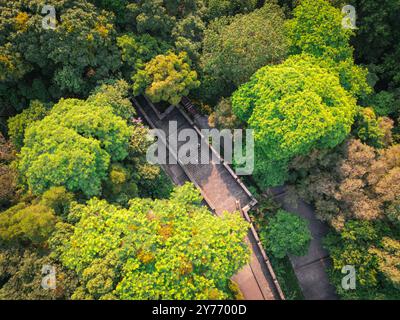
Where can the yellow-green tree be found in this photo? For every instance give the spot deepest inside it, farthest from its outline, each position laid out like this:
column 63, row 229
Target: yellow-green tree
column 166, row 78
column 73, row 147
column 316, row 29
column 162, row 249
column 293, row 107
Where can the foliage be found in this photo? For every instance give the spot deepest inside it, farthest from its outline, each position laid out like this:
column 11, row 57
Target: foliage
column 150, row 16
column 120, row 187
column 287, row 233
column 158, row 188
column 58, row 199
column 137, row 50
column 75, row 143
column 8, row 175
column 234, row 48
column 294, row 107
column 317, row 29
column 377, row 40
column 32, row 223
column 389, row 260
column 166, row 78
column 116, row 95
column 47, row 64
column 218, row 8
column 372, row 130
column 323, row 36
column 374, row 258
column 57, row 156
column 162, row 249
column 385, row 104
column 21, row 276
column 8, row 184
column 19, row 123
column 222, row 117
column 354, row 181
column 188, row 34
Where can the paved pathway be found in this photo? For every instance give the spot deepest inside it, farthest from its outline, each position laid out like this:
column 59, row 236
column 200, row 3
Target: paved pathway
column 221, row 191
column 310, row 269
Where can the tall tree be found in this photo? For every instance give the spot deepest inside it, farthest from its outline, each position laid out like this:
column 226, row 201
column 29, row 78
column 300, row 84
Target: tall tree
column 45, row 64
column 236, row 47
column 163, row 249
column 294, row 107
column 73, row 147
column 166, row 78
column 317, row 29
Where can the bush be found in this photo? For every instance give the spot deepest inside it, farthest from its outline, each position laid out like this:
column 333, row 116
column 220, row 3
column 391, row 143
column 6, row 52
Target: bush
column 287, row 233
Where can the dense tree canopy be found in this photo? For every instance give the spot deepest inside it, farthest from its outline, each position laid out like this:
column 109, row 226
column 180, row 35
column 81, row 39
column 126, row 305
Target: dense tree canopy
column 317, row 29
column 287, row 233
column 166, row 78
column 377, row 39
column 294, row 108
column 8, row 175
column 18, row 124
column 234, row 48
column 136, row 51
column 27, row 223
column 21, row 276
column 74, row 144
column 46, row 64
column 218, row 8
column 352, row 182
column 375, row 258
column 77, row 192
column 163, row 249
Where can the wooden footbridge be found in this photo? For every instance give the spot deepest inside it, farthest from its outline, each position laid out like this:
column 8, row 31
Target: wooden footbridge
column 221, row 188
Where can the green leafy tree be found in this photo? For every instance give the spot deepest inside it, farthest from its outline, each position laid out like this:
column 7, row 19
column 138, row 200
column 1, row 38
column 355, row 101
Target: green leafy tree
column 166, row 78
column 223, row 117
column 54, row 156
column 19, row 123
column 58, row 199
column 236, row 47
column 377, row 40
column 287, row 233
column 294, row 107
column 73, row 146
column 188, row 34
column 137, row 50
column 116, row 95
column 389, row 260
column 33, row 223
column 317, row 30
column 374, row 131
column 21, row 276
column 151, row 16
column 385, row 104
column 162, row 249
column 349, row 248
column 46, row 64
column 218, row 8
column 375, row 260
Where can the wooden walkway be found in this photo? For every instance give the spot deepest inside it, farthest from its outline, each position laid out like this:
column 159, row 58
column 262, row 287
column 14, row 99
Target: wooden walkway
column 222, row 191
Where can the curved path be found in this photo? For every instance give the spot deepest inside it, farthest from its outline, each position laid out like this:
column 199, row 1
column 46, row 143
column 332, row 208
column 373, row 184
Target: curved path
column 222, row 191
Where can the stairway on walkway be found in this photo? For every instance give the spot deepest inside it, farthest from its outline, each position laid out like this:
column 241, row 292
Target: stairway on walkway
column 221, row 191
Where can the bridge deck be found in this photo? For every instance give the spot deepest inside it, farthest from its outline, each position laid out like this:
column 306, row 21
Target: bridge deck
column 220, row 189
